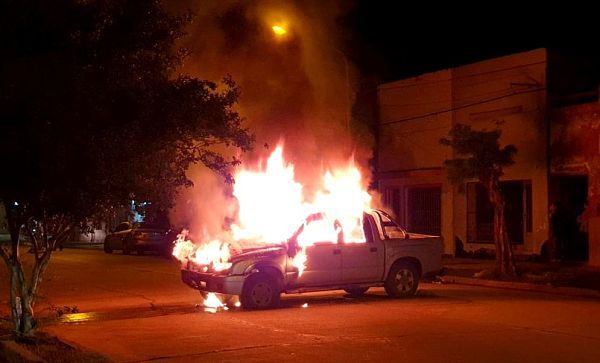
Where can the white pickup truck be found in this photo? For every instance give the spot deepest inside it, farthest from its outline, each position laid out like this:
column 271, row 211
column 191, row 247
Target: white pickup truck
column 390, row 257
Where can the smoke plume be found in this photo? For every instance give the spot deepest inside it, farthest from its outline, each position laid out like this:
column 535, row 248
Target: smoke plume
column 296, row 88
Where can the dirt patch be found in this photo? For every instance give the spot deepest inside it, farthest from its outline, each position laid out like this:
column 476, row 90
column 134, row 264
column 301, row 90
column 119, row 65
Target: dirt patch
column 43, row 347
column 560, row 274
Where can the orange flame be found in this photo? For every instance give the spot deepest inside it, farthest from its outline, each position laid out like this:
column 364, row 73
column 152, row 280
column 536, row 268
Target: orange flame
column 212, row 303
column 214, row 253
column 272, row 206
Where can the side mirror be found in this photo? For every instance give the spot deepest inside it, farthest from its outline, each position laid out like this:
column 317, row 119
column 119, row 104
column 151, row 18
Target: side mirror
column 406, row 235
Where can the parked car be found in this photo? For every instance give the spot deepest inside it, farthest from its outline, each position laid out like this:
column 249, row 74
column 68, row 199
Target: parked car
column 140, row 237
column 391, row 257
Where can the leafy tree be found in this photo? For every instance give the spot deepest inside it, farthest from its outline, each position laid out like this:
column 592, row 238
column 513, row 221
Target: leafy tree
column 92, row 115
column 479, row 156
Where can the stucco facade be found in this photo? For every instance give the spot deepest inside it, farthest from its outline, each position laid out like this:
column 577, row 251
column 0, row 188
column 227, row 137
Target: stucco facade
column 415, row 113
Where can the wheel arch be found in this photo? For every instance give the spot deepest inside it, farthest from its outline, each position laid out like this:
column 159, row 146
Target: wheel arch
column 406, row 260
column 268, row 269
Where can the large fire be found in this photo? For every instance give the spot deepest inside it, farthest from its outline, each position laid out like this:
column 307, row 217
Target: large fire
column 272, row 205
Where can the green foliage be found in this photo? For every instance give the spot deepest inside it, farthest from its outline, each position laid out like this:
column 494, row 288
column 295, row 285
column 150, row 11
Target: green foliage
column 93, row 113
column 478, row 155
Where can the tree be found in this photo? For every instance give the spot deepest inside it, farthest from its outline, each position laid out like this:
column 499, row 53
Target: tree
column 479, row 156
column 92, row 115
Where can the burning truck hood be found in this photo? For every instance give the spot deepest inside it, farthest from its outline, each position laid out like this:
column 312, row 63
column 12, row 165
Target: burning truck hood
column 255, row 253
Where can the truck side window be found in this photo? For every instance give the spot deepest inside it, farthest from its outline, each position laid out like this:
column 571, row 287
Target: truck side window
column 390, row 228
column 393, row 231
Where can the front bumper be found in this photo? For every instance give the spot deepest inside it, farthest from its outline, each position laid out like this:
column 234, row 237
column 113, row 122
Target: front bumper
column 210, row 282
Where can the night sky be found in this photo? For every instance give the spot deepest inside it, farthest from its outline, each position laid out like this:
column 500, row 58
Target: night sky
column 394, row 40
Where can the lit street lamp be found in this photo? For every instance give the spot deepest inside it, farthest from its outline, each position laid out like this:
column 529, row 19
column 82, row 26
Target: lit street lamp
column 280, row 30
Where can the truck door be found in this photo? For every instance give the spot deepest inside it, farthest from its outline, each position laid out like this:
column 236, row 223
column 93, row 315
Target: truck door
column 324, row 254
column 323, row 264
column 363, row 262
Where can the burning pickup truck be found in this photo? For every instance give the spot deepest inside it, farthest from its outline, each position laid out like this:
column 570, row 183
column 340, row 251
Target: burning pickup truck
column 389, row 257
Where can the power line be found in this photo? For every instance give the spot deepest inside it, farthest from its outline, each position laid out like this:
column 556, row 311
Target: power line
column 449, row 126
column 500, row 91
column 463, row 106
column 382, row 86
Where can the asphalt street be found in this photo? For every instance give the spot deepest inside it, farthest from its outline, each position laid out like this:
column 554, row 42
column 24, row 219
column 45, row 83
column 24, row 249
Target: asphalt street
column 135, row 309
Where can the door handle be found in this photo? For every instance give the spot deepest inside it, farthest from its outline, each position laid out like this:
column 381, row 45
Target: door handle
column 337, row 252
column 373, row 249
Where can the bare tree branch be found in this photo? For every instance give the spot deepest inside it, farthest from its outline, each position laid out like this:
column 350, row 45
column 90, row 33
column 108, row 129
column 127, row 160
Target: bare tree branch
column 33, row 240
column 45, row 229
column 38, row 269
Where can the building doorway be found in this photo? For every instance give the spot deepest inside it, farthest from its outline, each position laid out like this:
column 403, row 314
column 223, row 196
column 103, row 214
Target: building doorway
column 568, row 197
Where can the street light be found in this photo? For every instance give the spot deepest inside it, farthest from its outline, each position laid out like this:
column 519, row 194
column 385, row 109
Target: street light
column 280, row 30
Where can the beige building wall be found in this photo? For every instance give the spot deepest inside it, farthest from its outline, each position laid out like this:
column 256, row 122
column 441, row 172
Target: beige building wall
column 413, row 118
column 416, row 112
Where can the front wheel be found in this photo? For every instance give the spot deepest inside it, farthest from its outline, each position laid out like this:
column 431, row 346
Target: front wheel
column 260, row 291
column 167, row 251
column 126, row 248
column 402, row 281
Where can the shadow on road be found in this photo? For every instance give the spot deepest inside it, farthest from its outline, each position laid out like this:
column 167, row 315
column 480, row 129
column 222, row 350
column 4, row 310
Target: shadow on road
column 293, row 301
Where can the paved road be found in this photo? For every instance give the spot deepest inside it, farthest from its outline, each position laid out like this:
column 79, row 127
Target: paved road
column 445, row 323
column 95, row 281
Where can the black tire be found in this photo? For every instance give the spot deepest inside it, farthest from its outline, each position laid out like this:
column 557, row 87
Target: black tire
column 260, row 291
column 126, row 248
column 356, row 291
column 107, row 248
column 167, row 252
column 402, row 281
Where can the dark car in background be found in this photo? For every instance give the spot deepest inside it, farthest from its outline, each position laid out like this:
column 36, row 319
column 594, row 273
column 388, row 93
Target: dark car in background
column 140, row 237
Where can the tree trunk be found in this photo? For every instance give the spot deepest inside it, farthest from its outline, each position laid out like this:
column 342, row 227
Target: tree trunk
column 21, row 299
column 27, row 323
column 504, row 256
column 23, row 291
column 14, row 303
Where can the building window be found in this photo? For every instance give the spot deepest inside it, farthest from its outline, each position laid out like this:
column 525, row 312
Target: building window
column 392, row 200
column 423, row 210
column 528, row 207
column 517, row 212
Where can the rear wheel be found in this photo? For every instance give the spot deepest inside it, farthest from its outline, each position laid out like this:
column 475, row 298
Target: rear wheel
column 260, row 291
column 356, row 291
column 402, row 281
column 107, row 248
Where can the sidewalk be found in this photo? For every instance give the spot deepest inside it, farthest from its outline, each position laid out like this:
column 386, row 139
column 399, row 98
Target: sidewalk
column 565, row 278
column 70, row 244
column 85, row 245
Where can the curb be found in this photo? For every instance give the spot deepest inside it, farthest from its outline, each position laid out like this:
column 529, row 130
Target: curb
column 523, row 286
column 83, row 245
